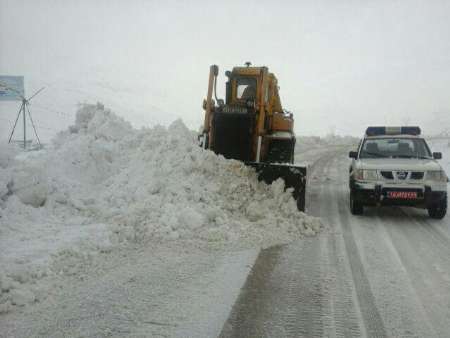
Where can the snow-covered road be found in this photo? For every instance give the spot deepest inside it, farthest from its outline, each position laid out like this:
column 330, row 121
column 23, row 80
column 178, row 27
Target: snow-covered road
column 384, row 274
column 148, row 291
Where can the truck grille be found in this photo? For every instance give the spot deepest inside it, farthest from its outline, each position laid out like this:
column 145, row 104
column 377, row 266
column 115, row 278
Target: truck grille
column 417, row 175
column 387, row 174
column 413, row 175
column 232, row 135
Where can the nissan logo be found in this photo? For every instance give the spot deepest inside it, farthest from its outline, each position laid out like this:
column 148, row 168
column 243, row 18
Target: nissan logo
column 401, row 175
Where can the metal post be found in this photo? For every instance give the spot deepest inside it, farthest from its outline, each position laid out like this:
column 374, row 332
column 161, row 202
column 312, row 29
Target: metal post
column 213, row 72
column 32, row 124
column 258, row 150
column 24, row 125
column 15, row 124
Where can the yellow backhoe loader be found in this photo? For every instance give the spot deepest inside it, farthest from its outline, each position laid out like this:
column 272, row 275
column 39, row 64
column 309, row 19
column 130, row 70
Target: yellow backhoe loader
column 251, row 126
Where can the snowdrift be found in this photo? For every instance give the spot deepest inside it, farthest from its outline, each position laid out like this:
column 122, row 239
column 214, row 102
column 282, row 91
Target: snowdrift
column 102, row 183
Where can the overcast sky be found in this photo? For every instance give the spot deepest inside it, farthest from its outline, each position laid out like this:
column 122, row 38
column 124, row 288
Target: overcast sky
column 341, row 65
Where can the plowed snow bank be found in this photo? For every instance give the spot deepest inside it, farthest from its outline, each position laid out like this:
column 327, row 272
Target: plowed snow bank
column 102, row 183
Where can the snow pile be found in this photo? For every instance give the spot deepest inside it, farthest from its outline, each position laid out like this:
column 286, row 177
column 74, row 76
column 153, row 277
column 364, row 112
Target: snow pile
column 159, row 184
column 7, row 154
column 102, row 183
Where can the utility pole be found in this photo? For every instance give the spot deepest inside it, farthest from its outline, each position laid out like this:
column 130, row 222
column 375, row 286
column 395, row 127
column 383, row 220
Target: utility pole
column 24, row 125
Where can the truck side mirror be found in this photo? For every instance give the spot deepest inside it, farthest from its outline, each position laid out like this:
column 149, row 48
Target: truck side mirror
column 353, row 154
column 437, row 156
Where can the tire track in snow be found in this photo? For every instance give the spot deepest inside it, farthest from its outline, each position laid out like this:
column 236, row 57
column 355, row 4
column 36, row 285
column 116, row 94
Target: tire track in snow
column 253, row 302
column 426, row 261
column 435, row 233
column 398, row 294
column 372, row 319
column 344, row 303
column 309, row 290
column 395, row 298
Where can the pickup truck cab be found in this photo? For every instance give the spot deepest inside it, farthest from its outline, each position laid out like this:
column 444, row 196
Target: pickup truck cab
column 394, row 166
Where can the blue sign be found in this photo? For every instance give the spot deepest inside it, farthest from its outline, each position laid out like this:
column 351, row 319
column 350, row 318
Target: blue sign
column 11, row 88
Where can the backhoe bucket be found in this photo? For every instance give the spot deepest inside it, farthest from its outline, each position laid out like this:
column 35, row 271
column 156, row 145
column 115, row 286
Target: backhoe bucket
column 293, row 176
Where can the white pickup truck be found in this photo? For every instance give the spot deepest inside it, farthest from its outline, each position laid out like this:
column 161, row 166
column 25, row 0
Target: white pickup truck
column 394, row 166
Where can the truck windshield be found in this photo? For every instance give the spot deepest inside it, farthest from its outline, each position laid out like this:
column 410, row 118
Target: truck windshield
column 395, row 148
column 246, row 88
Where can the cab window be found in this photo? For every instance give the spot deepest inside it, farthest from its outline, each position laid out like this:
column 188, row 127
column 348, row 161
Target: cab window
column 395, row 147
column 246, row 88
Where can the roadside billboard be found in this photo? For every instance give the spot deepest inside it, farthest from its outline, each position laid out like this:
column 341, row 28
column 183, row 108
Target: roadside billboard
column 11, row 88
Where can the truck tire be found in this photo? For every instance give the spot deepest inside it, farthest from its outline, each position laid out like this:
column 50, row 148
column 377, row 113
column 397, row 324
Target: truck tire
column 356, row 207
column 438, row 211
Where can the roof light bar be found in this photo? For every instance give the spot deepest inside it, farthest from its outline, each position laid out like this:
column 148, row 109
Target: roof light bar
column 378, row 131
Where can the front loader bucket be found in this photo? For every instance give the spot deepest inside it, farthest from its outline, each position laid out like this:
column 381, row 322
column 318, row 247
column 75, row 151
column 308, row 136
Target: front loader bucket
column 293, row 176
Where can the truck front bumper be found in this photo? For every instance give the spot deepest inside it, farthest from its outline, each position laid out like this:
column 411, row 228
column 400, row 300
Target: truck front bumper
column 377, row 194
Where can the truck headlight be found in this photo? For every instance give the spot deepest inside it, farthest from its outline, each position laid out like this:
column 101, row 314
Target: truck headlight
column 437, row 176
column 366, row 175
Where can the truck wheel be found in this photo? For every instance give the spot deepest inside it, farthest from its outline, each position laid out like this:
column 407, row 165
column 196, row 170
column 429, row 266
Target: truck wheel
column 356, row 207
column 438, row 211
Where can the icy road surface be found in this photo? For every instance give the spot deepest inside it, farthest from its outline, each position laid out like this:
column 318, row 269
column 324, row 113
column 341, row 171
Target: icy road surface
column 384, row 274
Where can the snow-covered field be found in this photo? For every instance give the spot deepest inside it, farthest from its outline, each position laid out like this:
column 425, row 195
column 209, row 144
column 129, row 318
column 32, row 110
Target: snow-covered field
column 103, row 185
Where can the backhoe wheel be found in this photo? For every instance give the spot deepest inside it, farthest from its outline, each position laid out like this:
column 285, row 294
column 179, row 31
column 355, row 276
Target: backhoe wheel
column 356, row 207
column 438, row 211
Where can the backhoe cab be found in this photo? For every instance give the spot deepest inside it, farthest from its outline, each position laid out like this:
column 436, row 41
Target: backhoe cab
column 251, row 126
